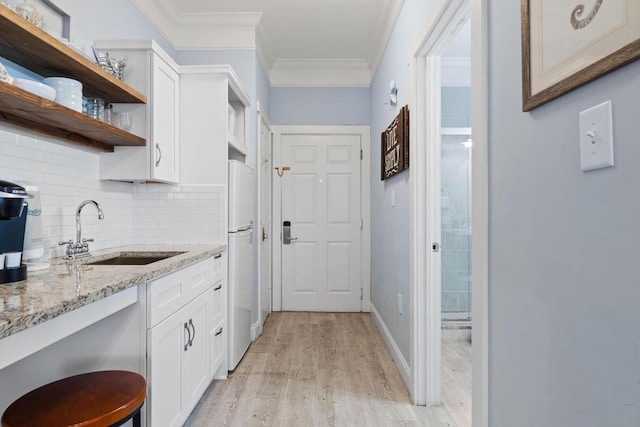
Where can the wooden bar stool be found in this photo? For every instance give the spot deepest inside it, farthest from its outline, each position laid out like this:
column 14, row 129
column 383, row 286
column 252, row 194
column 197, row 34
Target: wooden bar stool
column 96, row 399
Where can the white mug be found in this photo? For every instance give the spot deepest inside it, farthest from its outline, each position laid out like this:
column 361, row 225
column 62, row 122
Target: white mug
column 12, row 259
column 1, row 261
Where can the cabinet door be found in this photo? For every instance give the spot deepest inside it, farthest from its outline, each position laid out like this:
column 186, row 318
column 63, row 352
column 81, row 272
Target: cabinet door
column 195, row 377
column 166, row 345
column 164, row 126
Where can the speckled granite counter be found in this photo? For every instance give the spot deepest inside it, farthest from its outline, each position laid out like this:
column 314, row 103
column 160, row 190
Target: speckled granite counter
column 63, row 288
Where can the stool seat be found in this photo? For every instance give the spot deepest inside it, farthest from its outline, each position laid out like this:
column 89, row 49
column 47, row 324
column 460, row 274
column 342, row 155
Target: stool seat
column 95, row 399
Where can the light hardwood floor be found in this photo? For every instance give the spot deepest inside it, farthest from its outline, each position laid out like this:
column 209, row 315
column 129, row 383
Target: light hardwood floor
column 315, row 369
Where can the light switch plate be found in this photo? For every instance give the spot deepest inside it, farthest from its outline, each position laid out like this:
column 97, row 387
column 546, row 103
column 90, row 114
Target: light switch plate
column 596, row 137
column 393, row 198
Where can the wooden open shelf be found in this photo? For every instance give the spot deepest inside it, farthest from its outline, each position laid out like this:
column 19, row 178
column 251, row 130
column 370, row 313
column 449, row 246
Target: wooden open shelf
column 32, row 112
column 29, row 46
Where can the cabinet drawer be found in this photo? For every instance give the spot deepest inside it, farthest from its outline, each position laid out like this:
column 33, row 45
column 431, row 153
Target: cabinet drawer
column 168, row 294
column 218, row 267
column 217, row 307
column 217, row 337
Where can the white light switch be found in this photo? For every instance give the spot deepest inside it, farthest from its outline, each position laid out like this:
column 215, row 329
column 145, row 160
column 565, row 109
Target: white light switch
column 393, row 198
column 400, row 304
column 596, row 137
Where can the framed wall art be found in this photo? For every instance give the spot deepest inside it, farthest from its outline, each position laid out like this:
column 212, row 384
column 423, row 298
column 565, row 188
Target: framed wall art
column 395, row 145
column 568, row 43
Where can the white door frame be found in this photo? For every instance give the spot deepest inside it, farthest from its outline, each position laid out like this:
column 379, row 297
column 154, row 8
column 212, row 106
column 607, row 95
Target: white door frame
column 365, row 182
column 425, row 293
column 256, row 329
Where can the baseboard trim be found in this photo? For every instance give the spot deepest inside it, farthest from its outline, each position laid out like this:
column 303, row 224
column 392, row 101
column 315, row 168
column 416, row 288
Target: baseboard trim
column 398, row 358
column 256, row 330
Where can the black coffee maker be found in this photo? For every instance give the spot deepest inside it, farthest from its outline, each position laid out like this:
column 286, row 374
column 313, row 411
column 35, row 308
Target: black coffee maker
column 13, row 219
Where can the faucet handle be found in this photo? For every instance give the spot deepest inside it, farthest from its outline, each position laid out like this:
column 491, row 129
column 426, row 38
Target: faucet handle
column 87, row 240
column 70, row 242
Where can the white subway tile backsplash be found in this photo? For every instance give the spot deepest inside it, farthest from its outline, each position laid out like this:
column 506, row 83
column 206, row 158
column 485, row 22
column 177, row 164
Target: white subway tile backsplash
column 134, row 213
column 179, row 213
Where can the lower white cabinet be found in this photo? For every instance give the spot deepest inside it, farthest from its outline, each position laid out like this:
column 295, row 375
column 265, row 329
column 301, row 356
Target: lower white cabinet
column 185, row 345
column 177, row 364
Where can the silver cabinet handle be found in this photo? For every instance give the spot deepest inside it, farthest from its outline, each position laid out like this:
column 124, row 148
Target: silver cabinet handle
column 193, row 337
column 217, row 256
column 217, row 288
column 218, row 333
column 158, row 154
column 186, row 327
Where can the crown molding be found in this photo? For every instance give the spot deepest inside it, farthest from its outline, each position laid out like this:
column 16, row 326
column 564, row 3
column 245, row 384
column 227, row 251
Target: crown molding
column 387, row 25
column 320, row 73
column 201, row 31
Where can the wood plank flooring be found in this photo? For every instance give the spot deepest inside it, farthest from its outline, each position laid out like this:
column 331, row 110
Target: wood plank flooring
column 315, row 369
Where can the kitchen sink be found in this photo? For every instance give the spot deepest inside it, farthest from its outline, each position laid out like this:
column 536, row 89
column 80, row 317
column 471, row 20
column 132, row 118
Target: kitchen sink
column 129, row 258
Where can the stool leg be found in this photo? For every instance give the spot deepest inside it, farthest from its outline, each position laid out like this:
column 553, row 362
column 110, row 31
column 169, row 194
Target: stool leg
column 136, row 419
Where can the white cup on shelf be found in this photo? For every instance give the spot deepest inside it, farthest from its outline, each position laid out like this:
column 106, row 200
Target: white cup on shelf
column 1, row 261
column 12, row 259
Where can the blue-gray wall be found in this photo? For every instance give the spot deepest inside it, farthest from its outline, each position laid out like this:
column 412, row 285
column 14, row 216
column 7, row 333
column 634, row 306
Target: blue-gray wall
column 390, row 226
column 115, row 19
column 320, row 106
column 564, row 293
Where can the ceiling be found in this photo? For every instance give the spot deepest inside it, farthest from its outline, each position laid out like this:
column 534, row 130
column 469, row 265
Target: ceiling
column 299, row 42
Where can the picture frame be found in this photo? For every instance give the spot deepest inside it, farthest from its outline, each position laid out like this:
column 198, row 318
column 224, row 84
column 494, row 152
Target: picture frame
column 394, row 145
column 58, row 21
column 567, row 44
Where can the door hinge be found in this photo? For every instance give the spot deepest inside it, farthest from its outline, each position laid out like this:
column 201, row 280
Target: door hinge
column 361, row 155
column 361, row 224
column 361, row 294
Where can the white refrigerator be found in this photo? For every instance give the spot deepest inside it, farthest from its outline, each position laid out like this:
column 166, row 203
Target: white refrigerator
column 241, row 210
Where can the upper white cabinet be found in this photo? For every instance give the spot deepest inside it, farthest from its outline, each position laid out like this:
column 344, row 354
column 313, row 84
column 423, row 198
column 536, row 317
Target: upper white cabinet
column 213, row 122
column 152, row 72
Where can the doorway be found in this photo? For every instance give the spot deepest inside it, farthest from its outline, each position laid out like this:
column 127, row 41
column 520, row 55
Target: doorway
column 427, row 192
column 321, row 213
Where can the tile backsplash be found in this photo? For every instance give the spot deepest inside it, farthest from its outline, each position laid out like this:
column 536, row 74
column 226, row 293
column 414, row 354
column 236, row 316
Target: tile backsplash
column 133, row 213
column 191, row 214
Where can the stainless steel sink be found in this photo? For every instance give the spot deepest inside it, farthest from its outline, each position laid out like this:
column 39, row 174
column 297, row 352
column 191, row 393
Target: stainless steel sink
column 131, row 258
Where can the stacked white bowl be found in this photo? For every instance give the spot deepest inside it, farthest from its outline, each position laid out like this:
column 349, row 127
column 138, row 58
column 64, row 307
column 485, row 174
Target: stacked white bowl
column 68, row 92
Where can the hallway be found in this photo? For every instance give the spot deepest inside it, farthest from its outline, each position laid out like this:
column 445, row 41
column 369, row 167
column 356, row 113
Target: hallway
column 315, row 369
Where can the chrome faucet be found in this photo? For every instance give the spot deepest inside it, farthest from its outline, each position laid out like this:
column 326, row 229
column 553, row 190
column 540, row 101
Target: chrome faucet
column 81, row 246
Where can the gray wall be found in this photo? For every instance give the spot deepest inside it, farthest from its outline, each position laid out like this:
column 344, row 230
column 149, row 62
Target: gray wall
column 564, row 294
column 390, row 228
column 320, row 106
column 115, row 19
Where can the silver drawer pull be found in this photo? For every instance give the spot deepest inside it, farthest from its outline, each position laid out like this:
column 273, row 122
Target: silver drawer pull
column 219, row 332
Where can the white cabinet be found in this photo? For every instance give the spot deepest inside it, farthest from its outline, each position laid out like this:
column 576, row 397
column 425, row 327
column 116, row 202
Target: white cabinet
column 213, row 123
column 178, row 365
column 152, row 72
column 185, row 339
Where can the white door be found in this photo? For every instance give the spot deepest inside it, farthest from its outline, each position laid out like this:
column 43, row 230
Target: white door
column 321, row 198
column 265, row 219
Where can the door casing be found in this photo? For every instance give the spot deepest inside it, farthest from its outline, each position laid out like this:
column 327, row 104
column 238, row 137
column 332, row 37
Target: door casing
column 425, row 343
column 365, row 171
column 263, row 121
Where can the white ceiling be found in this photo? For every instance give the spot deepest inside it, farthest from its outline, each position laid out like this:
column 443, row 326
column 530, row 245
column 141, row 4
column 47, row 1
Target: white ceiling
column 299, row 42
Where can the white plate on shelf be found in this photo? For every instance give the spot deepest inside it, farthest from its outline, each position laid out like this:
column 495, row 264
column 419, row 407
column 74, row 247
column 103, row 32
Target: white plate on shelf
column 36, row 88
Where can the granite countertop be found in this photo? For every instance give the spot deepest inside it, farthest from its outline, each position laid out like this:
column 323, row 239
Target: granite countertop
column 65, row 287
